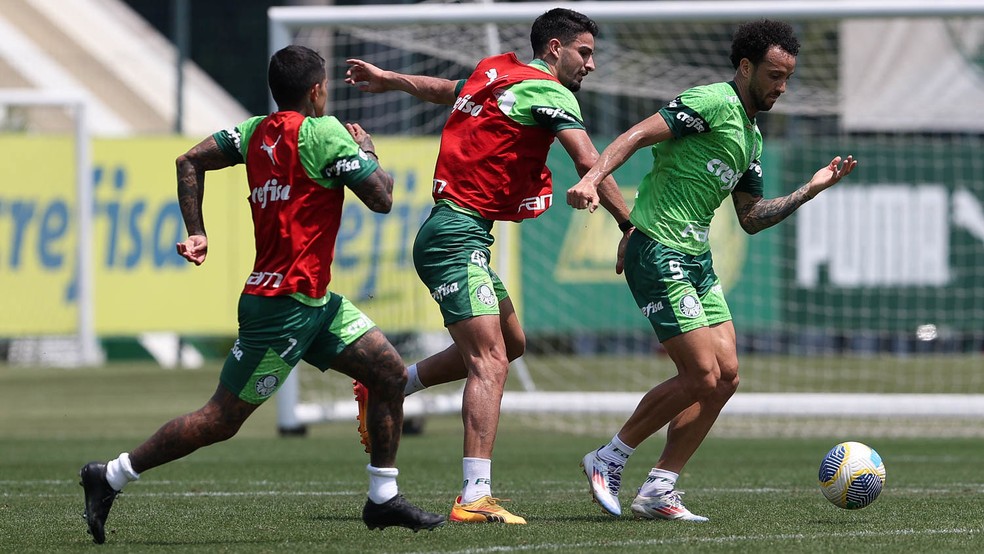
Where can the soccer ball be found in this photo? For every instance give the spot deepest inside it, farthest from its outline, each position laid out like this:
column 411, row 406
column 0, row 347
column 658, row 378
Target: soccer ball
column 851, row 475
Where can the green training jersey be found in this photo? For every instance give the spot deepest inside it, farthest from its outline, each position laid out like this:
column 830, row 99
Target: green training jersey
column 715, row 150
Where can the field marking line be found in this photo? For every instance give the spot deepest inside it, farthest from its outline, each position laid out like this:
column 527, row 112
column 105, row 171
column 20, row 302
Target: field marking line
column 608, row 544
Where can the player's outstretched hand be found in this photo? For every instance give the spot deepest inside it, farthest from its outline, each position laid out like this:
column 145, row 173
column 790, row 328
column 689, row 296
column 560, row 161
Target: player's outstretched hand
column 365, row 76
column 194, row 249
column 828, row 176
column 361, row 137
column 583, row 196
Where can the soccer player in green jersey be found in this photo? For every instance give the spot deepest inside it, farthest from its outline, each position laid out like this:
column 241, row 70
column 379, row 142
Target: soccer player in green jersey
column 706, row 147
column 492, row 167
column 299, row 162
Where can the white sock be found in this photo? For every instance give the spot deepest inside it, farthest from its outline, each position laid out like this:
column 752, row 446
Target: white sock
column 478, row 479
column 382, row 483
column 119, row 472
column 616, row 451
column 658, row 482
column 413, row 381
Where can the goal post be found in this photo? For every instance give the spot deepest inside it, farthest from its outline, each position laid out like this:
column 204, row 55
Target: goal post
column 84, row 348
column 867, row 303
column 284, row 21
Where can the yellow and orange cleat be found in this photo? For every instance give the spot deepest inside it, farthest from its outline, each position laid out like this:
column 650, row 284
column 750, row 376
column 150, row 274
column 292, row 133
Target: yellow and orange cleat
column 484, row 510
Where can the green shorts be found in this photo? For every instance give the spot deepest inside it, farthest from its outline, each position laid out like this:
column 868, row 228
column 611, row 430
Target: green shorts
column 451, row 256
column 276, row 332
column 676, row 292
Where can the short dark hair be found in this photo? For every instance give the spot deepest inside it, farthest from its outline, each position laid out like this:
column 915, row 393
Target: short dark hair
column 753, row 39
column 293, row 71
column 562, row 24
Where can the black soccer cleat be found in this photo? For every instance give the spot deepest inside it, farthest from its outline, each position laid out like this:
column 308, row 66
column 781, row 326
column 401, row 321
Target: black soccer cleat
column 397, row 511
column 99, row 497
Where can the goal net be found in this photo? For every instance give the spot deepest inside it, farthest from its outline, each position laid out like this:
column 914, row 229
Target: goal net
column 867, row 304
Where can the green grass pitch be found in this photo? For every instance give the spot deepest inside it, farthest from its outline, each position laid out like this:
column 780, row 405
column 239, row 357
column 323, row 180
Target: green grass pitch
column 261, row 493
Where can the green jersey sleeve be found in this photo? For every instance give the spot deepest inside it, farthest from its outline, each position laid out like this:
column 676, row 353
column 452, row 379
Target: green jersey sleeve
column 233, row 142
column 543, row 103
column 330, row 155
column 751, row 180
column 691, row 113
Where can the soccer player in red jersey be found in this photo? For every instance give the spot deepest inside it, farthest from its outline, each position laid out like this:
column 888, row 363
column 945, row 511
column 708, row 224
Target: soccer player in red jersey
column 298, row 163
column 492, row 167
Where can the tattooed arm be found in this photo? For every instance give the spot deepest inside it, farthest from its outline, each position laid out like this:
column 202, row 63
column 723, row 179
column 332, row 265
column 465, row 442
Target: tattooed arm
column 192, row 165
column 756, row 213
column 376, row 191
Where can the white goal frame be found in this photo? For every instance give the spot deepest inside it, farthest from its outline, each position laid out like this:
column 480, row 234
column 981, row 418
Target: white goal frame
column 89, row 350
column 283, row 21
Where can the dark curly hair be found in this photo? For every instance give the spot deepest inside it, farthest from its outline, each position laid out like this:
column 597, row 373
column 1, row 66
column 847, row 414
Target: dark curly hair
column 753, row 39
column 562, row 24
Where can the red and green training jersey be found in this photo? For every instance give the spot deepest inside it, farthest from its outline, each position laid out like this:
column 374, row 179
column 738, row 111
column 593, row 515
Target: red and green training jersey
column 297, row 168
column 495, row 143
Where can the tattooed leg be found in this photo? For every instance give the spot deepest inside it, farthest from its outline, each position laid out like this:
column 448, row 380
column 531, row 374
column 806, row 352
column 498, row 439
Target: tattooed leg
column 219, row 419
column 374, row 362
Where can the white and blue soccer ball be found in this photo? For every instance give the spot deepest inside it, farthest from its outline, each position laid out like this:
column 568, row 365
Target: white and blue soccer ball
column 851, row 475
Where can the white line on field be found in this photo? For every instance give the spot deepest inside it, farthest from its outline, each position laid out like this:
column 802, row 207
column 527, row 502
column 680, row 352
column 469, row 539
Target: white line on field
column 142, row 488
column 608, row 544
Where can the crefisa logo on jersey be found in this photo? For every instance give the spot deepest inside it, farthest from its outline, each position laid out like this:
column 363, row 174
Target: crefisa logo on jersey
column 553, row 113
column 341, row 166
column 692, row 121
column 724, row 172
column 652, row 308
column 690, row 306
column 466, row 105
column 266, row 385
column 444, row 290
column 271, row 191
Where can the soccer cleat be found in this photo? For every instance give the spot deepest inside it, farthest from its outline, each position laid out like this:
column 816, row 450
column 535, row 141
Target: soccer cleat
column 398, row 512
column 362, row 399
column 484, row 510
column 99, row 497
column 604, row 480
column 663, row 506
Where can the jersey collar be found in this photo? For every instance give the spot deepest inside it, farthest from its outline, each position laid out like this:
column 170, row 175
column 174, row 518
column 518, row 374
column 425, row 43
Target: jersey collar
column 540, row 64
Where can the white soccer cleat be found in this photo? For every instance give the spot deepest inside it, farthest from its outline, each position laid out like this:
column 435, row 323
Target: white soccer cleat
column 604, row 480
column 663, row 506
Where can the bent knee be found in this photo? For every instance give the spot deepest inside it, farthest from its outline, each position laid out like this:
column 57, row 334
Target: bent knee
column 701, row 385
column 387, row 377
column 726, row 388
column 217, row 425
column 493, row 367
column 226, row 430
column 720, row 381
column 729, row 376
